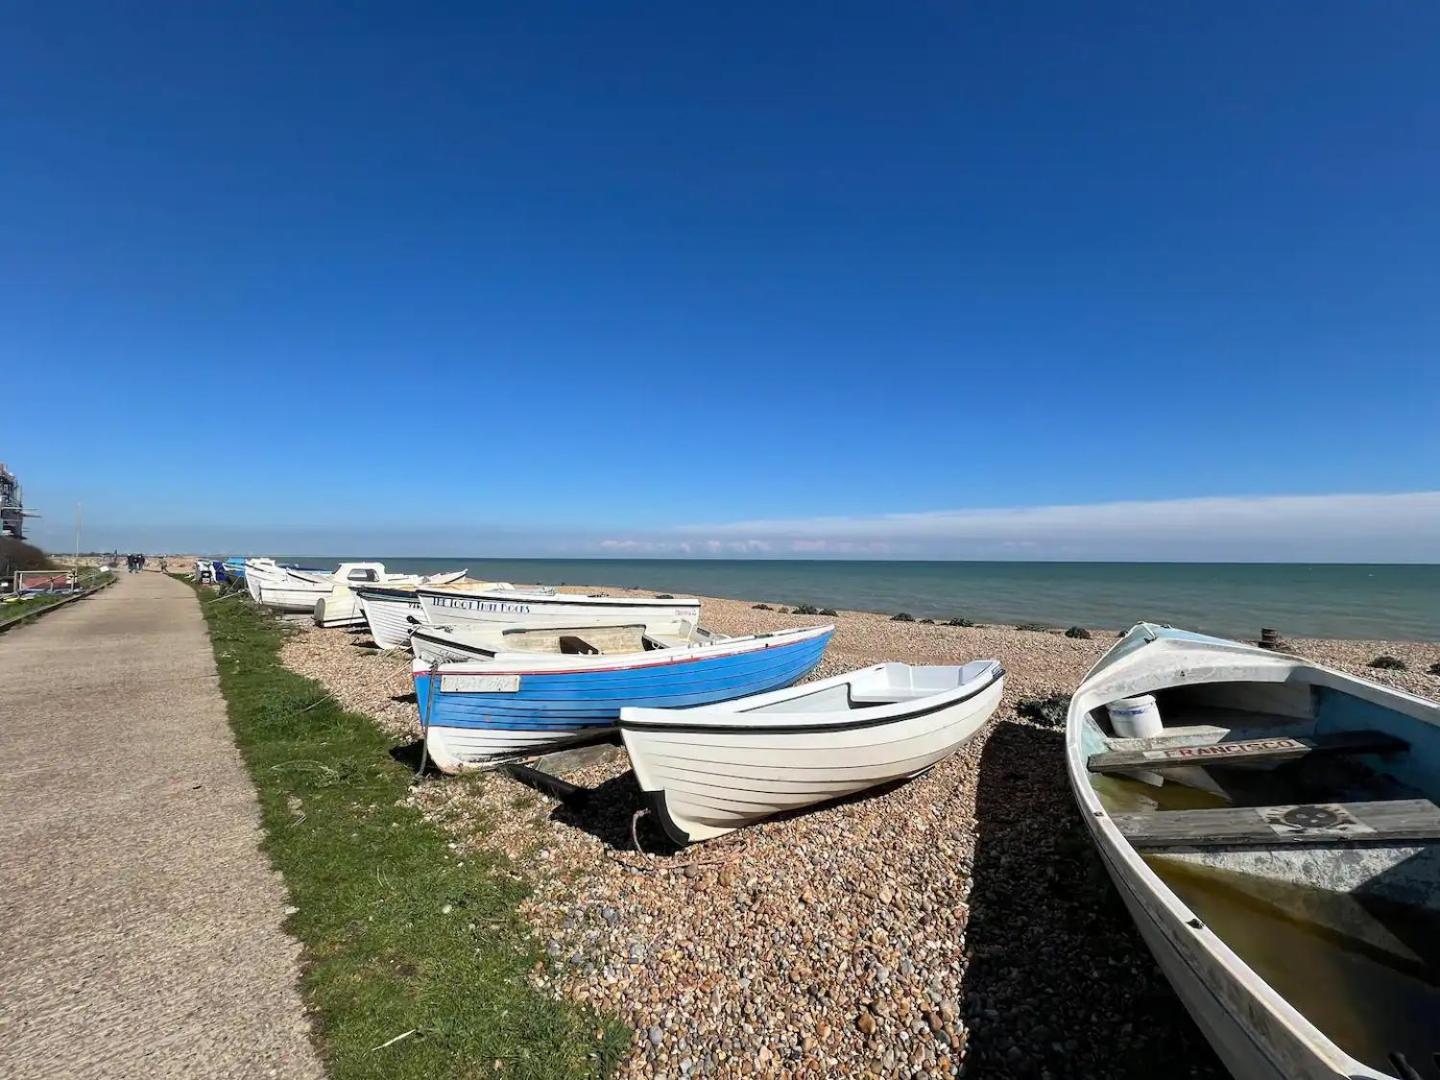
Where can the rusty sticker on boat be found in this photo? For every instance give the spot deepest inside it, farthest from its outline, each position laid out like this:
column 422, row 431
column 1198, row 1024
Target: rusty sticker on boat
column 1313, row 819
column 479, row 684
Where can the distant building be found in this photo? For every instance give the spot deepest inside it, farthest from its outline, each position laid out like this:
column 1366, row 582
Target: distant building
column 12, row 505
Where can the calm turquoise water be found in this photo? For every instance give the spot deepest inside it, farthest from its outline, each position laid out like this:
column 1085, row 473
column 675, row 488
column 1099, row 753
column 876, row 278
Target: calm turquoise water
column 1235, row 599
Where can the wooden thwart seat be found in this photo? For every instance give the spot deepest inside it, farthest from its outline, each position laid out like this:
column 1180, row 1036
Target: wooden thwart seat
column 1395, row 821
column 1165, row 753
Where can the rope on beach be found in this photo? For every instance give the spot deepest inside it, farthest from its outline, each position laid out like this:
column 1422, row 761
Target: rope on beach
column 730, row 851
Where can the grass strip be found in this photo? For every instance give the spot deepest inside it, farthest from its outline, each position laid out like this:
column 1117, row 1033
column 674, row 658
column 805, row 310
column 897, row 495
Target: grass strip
column 415, row 959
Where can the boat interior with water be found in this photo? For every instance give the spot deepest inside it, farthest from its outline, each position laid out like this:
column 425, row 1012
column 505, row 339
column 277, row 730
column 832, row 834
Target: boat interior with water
column 1299, row 821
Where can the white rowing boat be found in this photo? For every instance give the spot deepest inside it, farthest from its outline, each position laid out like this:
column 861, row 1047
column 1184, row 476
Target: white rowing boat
column 458, row 605
column 393, row 611
column 1271, row 826
column 342, row 605
column 481, row 641
column 300, row 590
column 708, row 770
column 328, row 595
column 478, row 712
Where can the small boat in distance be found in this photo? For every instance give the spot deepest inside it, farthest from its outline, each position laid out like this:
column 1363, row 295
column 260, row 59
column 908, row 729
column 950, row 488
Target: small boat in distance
column 458, row 605
column 261, row 572
column 326, row 594
column 1271, row 826
column 710, row 769
column 482, row 712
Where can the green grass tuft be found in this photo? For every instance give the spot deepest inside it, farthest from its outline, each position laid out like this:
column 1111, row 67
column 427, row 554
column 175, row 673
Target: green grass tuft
column 373, row 881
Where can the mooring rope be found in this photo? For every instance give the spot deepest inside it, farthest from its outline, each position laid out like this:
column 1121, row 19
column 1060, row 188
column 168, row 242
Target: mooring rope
column 731, row 850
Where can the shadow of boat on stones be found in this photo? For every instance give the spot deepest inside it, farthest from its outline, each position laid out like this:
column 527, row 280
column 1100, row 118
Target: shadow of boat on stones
column 606, row 810
column 409, row 754
column 1058, row 982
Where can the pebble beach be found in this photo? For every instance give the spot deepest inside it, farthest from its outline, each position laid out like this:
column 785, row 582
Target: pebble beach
column 959, row 922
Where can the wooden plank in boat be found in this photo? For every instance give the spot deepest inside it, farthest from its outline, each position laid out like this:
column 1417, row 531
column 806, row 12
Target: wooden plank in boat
column 1398, row 820
column 1158, row 755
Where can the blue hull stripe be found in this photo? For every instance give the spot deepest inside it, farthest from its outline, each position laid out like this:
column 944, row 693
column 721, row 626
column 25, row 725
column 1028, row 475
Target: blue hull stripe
column 560, row 701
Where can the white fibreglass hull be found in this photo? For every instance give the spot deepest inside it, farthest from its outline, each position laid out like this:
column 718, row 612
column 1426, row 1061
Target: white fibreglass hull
column 454, row 748
column 716, row 781
column 462, row 609
column 292, row 597
column 389, row 620
column 435, row 651
column 340, row 607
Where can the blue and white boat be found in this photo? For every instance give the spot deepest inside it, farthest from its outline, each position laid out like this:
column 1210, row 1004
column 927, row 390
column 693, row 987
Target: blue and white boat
column 517, row 703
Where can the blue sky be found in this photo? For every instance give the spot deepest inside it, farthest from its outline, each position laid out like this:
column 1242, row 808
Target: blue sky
column 761, row 279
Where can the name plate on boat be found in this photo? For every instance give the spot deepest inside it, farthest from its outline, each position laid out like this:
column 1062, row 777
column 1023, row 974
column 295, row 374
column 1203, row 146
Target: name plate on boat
column 480, row 684
column 1249, row 747
column 470, row 603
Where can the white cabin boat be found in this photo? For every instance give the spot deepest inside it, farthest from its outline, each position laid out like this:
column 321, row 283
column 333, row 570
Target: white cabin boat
column 708, row 770
column 300, row 590
column 1271, row 826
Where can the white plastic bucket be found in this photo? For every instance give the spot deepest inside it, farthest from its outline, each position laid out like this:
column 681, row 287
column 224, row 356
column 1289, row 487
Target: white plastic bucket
column 1135, row 717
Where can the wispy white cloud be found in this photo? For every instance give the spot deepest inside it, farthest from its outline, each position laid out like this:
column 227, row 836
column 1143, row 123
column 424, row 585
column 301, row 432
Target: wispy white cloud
column 1344, row 527
column 1281, row 528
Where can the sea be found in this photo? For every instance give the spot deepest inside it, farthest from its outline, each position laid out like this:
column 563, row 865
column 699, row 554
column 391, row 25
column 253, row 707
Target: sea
column 1399, row 602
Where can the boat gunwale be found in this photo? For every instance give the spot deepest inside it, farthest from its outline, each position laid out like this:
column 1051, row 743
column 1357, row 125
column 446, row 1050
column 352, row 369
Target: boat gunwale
column 894, row 712
column 524, row 596
column 755, row 643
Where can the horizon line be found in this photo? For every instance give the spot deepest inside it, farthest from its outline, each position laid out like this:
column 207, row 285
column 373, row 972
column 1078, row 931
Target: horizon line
column 351, row 557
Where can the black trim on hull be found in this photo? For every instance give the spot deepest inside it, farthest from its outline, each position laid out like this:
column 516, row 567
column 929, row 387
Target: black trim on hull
column 472, row 650
column 803, row 729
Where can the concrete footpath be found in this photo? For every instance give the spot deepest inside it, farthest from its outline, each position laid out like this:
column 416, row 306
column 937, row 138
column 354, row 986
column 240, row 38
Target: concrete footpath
column 140, row 924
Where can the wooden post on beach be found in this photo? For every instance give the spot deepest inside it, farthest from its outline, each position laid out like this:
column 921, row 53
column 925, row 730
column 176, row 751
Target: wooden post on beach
column 1270, row 638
